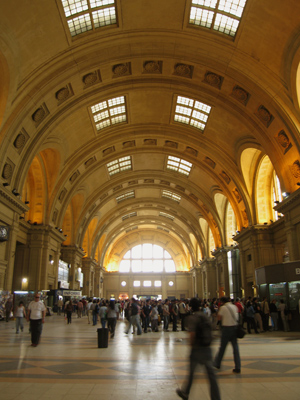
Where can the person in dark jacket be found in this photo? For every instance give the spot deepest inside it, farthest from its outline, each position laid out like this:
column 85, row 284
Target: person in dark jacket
column 200, row 354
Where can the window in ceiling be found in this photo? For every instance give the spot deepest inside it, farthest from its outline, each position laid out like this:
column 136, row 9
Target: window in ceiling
column 147, row 257
column 87, row 15
column 125, row 196
column 179, row 165
column 191, row 112
column 219, row 15
column 171, row 195
column 162, row 214
column 133, row 214
column 109, row 112
column 119, row 165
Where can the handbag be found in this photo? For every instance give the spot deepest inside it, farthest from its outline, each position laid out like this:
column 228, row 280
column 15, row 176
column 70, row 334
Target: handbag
column 240, row 331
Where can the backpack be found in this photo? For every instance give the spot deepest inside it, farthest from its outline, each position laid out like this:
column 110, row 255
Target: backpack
column 203, row 330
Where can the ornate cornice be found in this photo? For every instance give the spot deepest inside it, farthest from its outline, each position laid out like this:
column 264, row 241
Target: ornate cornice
column 12, row 202
column 289, row 202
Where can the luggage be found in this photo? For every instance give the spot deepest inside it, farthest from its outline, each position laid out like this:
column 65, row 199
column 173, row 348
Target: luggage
column 102, row 338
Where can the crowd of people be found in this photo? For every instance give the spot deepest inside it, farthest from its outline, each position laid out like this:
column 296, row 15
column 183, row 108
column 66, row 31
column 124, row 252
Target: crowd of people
column 169, row 315
column 151, row 315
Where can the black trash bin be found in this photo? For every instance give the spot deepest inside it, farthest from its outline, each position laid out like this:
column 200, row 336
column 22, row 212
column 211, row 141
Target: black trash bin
column 102, row 337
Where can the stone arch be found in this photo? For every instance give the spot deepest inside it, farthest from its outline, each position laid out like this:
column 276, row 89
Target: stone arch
column 114, row 254
column 34, row 191
column 249, row 159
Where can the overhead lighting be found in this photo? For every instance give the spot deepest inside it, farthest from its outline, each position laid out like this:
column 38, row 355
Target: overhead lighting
column 285, row 194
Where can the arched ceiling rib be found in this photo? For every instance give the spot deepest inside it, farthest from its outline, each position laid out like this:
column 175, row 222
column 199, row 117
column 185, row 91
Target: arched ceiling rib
column 151, row 57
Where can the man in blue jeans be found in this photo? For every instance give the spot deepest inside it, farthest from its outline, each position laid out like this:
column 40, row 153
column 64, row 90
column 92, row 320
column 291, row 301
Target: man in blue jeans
column 228, row 315
column 134, row 317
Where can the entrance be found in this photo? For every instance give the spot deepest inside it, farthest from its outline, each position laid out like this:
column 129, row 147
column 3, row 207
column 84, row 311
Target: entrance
column 144, row 297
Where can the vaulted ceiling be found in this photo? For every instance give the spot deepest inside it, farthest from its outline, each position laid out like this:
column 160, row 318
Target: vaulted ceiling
column 146, row 71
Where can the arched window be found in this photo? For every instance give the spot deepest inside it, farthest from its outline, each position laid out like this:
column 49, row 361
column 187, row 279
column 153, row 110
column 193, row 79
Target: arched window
column 230, row 224
column 147, row 257
column 277, row 195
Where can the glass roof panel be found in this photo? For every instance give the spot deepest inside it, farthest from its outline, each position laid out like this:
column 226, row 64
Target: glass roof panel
column 220, row 15
column 191, row 108
column 85, row 15
column 113, row 112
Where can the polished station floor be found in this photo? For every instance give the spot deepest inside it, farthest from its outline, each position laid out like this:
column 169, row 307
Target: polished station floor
column 68, row 365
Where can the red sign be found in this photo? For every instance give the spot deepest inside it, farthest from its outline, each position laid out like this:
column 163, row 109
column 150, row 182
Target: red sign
column 278, row 294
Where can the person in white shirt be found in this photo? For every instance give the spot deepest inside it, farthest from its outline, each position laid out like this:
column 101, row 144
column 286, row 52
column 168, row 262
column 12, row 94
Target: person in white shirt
column 228, row 315
column 36, row 316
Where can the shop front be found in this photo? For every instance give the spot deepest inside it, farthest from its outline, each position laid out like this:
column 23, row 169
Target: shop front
column 281, row 282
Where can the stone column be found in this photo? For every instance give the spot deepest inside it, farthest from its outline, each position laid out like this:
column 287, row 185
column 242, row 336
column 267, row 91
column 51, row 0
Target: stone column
column 290, row 208
column 292, row 240
column 10, row 252
column 88, row 269
column 44, row 241
column 11, row 210
column 97, row 281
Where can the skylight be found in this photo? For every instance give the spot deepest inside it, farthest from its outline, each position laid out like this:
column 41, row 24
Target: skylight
column 109, row 112
column 133, row 214
column 219, row 15
column 179, row 165
column 162, row 214
column 191, row 112
column 125, row 196
column 119, row 165
column 87, row 15
column 171, row 195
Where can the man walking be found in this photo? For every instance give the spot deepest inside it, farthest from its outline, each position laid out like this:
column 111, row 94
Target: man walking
column 36, row 316
column 200, row 335
column 134, row 318
column 228, row 315
column 182, row 313
column 166, row 315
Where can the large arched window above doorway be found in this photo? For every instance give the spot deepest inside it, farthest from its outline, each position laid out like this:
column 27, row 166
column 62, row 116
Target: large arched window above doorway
column 147, row 257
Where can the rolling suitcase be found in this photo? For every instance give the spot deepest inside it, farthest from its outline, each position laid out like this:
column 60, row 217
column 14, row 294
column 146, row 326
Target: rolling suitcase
column 102, row 338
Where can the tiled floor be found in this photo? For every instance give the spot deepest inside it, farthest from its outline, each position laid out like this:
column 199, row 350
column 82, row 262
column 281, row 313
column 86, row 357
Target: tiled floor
column 68, row 365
